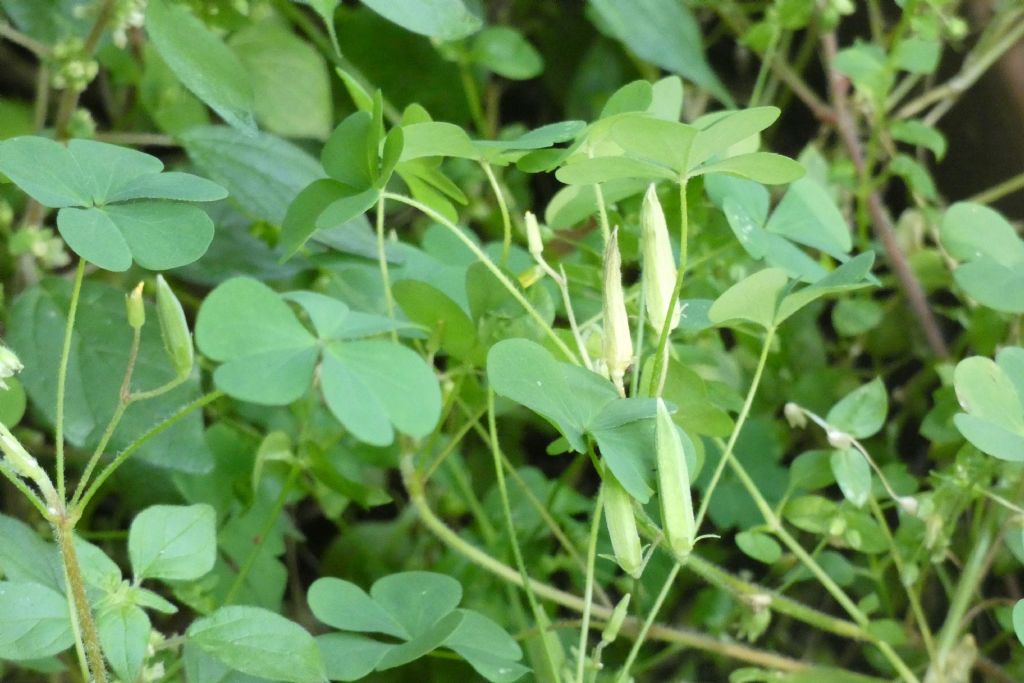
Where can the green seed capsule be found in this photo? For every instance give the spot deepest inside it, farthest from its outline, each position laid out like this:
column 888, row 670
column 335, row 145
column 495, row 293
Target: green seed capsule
column 617, row 343
column 174, row 328
column 674, row 484
column 658, row 263
column 136, row 308
column 619, row 516
column 614, row 625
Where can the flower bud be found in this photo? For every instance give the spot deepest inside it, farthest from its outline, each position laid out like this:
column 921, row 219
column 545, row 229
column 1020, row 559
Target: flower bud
column 174, row 328
column 677, row 519
column 10, row 365
column 534, row 241
column 621, row 521
column 658, row 263
column 136, row 308
column 794, row 416
column 614, row 625
column 618, row 346
column 839, row 439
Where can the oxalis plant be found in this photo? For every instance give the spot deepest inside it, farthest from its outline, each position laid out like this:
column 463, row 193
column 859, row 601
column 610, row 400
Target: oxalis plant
column 317, row 366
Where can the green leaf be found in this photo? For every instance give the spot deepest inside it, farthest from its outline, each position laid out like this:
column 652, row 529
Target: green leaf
column 12, row 402
column 424, row 642
column 865, row 65
column 442, row 19
column 722, row 130
column 662, row 32
column 487, row 647
column 504, row 51
column 994, row 254
column 649, row 139
column 417, row 600
column 853, row 474
column 203, row 63
column 915, row 132
column 759, row 546
column 918, row 55
column 428, row 306
column 346, row 606
column 290, row 81
column 269, row 355
column 124, row 635
column 263, row 173
column 349, row 657
column 634, row 96
column 754, row 299
column 861, row 413
column 173, row 542
column 808, row 215
column 347, row 208
column 853, row 274
column 625, row 435
column 33, row 621
column 1018, row 620
column 437, row 138
column 300, row 222
column 372, row 385
column 350, row 154
column 46, row 172
column 259, row 642
column 990, row 392
column 590, row 171
column 762, row 167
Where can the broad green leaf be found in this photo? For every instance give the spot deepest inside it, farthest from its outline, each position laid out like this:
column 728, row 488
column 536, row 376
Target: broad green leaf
column 624, row 432
column 442, row 19
column 300, row 222
column 346, row 606
column 100, row 346
column 92, row 234
column 990, row 392
column 759, row 546
column 762, row 167
column 45, row 171
column 24, row 556
column 417, row 599
column 865, row 65
column 269, row 355
column 853, row 274
column 649, row 139
column 861, row 413
column 918, row 55
column 573, row 203
column 808, row 215
column 667, row 99
column 428, row 306
column 853, row 474
column 424, row 642
column 289, row 78
column 203, row 63
column 124, row 635
column 487, row 647
column 348, row 657
column 350, row 154
column 970, row 231
column 183, row 187
column 754, row 299
column 634, row 96
column 372, row 385
column 915, row 132
column 1018, row 620
column 720, row 131
column 203, row 668
column 662, row 32
column 993, row 284
column 173, row 542
column 263, row 173
column 437, row 138
column 590, row 171
column 33, row 621
column 259, row 642
column 347, row 208
column 504, row 51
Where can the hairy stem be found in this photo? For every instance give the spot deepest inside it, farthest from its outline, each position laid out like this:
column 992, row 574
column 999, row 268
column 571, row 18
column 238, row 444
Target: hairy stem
column 63, row 530
column 62, row 376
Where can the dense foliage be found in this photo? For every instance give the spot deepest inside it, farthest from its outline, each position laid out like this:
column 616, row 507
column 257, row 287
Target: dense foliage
column 443, row 340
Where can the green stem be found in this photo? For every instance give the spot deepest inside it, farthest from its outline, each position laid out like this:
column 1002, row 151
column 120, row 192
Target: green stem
column 63, row 530
column 506, row 219
column 491, row 266
column 646, row 627
column 661, row 358
column 105, row 473
column 539, row 615
column 62, row 375
column 1009, row 186
column 26, row 490
column 265, row 531
column 382, row 262
column 588, row 591
column 473, row 99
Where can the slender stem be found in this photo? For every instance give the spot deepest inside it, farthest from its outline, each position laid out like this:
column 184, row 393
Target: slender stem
column 159, row 391
column 26, row 490
column 766, row 62
column 154, row 431
column 136, row 139
column 651, row 616
column 1008, row 186
column 506, row 219
column 69, row 97
column 268, row 527
column 588, row 591
column 508, row 574
column 18, row 38
column 382, row 262
column 62, row 375
column 76, row 591
column 570, row 312
column 539, row 614
column 491, row 266
column 473, row 98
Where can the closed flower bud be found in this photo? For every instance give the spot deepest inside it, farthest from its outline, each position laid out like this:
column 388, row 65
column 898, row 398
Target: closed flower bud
column 839, row 439
column 534, row 241
column 618, row 346
column 621, row 521
column 658, row 263
column 10, row 365
column 174, row 328
column 614, row 625
column 677, row 519
column 794, row 416
column 136, row 308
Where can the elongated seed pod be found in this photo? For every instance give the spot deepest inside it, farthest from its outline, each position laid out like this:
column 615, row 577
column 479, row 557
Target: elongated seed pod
column 174, row 328
column 658, row 263
column 674, row 484
column 618, row 345
column 614, row 625
column 621, row 521
column 534, row 241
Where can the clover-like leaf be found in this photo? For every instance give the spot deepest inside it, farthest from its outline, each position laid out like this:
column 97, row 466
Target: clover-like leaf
column 115, row 205
column 992, row 252
column 173, row 542
column 372, row 386
column 992, row 394
column 419, row 609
